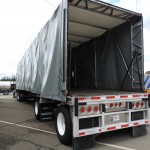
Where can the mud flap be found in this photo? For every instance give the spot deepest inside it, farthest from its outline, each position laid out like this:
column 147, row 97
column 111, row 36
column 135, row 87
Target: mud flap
column 83, row 142
column 139, row 131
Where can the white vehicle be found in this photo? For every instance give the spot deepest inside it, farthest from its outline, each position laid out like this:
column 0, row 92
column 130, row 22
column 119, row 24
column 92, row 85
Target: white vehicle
column 5, row 87
column 85, row 71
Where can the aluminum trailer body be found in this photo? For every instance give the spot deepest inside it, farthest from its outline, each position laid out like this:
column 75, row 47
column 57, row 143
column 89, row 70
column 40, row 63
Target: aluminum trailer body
column 85, row 70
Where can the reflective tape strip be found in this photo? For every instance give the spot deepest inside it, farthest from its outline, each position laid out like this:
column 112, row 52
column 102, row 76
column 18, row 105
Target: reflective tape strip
column 135, row 123
column 111, row 128
column 110, row 97
column 144, row 95
column 96, row 130
column 113, row 97
column 81, row 98
column 136, row 96
column 81, row 133
column 124, row 96
column 124, row 125
column 96, row 98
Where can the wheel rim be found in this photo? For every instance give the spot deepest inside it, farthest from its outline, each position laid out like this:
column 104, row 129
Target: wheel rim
column 61, row 124
column 17, row 96
column 36, row 108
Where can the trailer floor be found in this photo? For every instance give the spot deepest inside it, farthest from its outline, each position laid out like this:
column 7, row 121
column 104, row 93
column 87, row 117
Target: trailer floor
column 88, row 92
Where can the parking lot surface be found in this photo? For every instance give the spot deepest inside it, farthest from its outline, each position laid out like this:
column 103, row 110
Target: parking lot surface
column 19, row 130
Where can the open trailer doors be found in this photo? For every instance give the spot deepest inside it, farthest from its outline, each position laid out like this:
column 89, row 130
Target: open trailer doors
column 105, row 47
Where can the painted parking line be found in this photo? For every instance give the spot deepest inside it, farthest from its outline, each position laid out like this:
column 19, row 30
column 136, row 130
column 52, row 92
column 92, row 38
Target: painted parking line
column 19, row 125
column 115, row 146
column 45, row 131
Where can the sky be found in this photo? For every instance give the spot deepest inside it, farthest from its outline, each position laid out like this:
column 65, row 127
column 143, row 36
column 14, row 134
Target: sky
column 21, row 20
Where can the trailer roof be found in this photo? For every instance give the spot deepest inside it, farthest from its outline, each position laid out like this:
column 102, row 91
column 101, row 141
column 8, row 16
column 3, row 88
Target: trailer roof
column 91, row 18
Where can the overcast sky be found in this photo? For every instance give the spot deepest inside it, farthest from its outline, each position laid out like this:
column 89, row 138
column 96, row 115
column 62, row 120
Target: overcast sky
column 21, row 20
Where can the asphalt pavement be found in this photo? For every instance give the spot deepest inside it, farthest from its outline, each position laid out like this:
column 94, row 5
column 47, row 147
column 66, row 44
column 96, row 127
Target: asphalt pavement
column 19, row 130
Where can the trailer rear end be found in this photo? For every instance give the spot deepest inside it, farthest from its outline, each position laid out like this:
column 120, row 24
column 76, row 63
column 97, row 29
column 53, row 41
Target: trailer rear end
column 106, row 69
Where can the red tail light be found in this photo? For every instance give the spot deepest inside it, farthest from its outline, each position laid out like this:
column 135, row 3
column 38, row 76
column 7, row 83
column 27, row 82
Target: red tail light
column 137, row 104
column 111, row 105
column 116, row 104
column 82, row 109
column 120, row 104
column 89, row 109
column 96, row 108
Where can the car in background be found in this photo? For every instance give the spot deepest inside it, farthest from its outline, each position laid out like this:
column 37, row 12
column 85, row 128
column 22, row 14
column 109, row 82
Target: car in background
column 6, row 87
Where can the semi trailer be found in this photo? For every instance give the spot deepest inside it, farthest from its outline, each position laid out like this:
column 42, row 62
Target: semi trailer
column 85, row 71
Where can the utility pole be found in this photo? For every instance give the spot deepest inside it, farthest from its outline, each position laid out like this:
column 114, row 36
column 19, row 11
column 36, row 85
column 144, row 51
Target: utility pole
column 138, row 2
column 137, row 8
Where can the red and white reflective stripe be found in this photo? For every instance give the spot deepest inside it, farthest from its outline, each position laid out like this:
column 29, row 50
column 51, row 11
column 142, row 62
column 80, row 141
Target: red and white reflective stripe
column 95, row 98
column 81, row 98
column 135, row 123
column 111, row 128
column 113, row 97
column 124, row 125
column 81, row 133
column 96, row 130
column 110, row 97
column 124, row 96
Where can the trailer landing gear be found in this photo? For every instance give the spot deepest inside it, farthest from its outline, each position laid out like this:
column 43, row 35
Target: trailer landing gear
column 43, row 111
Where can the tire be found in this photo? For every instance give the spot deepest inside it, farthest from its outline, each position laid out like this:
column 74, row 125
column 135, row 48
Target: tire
column 37, row 109
column 5, row 92
column 19, row 97
column 63, row 125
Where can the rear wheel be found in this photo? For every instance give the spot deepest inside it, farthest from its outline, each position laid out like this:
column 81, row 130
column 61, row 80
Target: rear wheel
column 19, row 97
column 37, row 109
column 63, row 125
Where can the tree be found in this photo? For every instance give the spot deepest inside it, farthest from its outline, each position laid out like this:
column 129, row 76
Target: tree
column 7, row 78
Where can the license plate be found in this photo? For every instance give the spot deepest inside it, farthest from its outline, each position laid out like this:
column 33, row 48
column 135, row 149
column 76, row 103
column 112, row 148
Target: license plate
column 114, row 118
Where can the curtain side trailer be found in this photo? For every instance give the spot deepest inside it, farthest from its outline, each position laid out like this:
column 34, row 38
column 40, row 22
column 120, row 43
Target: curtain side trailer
column 85, row 71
